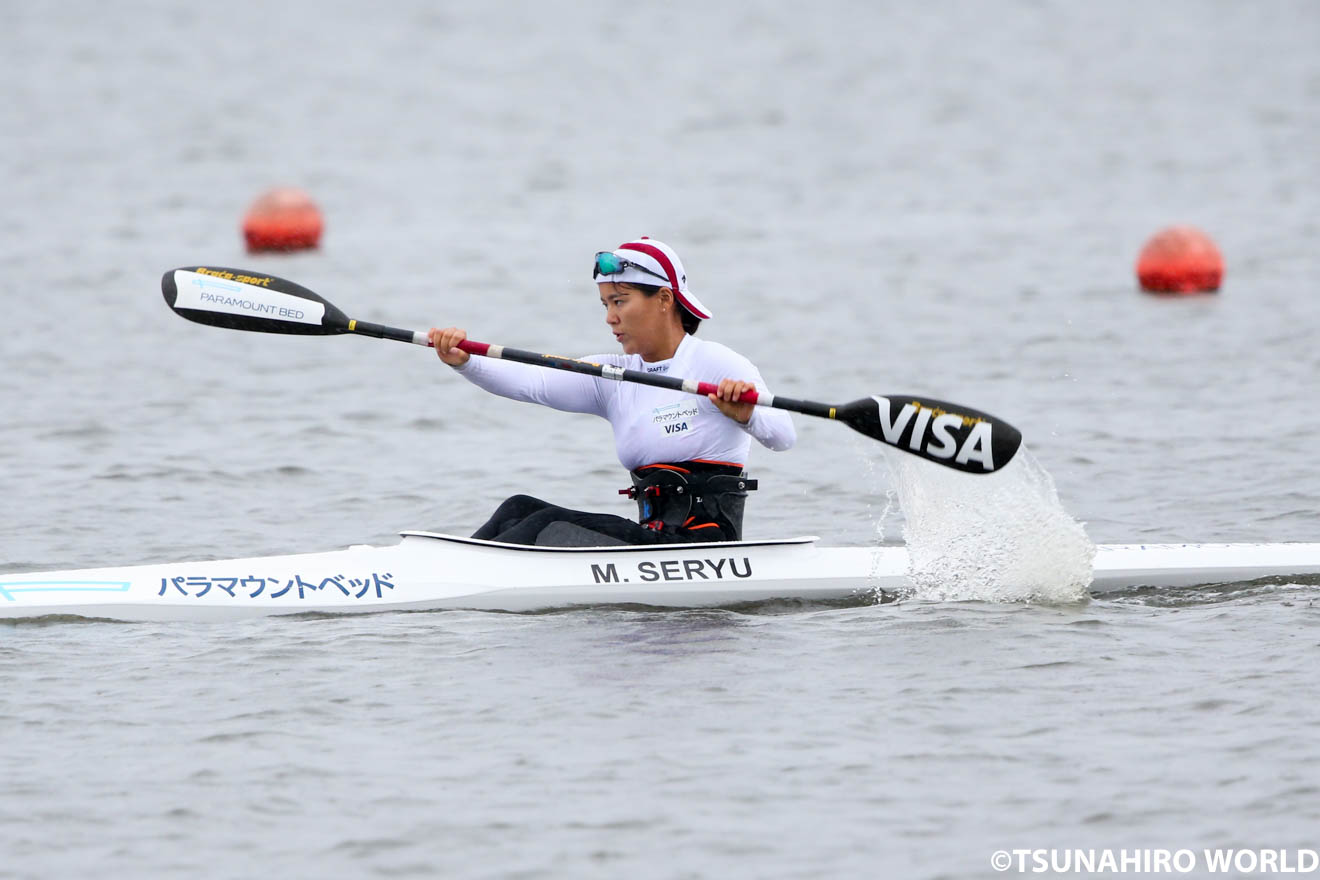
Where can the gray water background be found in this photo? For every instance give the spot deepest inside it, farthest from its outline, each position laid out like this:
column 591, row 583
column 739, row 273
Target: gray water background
column 942, row 199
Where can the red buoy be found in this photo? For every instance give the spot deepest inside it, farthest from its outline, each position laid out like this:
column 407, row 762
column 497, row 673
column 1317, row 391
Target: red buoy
column 1180, row 259
column 283, row 219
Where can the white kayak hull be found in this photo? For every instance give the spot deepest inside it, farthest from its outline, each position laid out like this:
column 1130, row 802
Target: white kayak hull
column 428, row 571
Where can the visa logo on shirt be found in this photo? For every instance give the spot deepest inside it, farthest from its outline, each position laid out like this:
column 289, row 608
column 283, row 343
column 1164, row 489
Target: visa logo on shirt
column 675, row 418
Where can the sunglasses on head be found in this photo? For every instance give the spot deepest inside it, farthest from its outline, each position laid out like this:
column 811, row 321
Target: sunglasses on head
column 610, row 263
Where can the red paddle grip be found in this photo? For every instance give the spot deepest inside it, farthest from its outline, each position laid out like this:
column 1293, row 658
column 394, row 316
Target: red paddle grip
column 710, row 388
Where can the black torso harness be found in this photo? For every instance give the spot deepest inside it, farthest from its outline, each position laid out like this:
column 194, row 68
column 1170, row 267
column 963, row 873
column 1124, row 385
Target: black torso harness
column 703, row 500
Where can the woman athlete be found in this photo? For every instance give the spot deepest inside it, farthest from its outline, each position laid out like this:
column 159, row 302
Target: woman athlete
column 686, row 453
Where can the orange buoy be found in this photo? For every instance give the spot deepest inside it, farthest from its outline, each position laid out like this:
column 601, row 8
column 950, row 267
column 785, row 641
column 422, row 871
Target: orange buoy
column 283, row 219
column 1180, row 259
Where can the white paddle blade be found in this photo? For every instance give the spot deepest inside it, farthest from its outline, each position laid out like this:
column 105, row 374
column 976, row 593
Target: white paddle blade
column 244, row 300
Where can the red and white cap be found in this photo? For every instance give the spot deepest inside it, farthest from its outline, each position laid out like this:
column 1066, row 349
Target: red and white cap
column 660, row 259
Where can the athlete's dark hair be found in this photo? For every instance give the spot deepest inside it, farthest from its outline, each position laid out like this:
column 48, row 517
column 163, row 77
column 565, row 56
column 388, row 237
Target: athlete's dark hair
column 690, row 321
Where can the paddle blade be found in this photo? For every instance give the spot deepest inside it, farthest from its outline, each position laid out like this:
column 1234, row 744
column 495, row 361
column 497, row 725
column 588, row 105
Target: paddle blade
column 243, row 300
column 944, row 433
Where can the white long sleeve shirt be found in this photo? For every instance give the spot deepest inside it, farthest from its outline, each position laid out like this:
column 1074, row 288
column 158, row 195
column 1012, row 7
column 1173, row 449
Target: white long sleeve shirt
column 651, row 425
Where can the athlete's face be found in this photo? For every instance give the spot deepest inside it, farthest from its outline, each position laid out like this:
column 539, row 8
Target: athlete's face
column 640, row 323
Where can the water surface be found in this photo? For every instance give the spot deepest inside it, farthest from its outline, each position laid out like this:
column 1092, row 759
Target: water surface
column 873, row 198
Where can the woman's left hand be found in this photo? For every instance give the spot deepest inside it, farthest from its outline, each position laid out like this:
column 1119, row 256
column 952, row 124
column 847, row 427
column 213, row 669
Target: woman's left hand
column 726, row 398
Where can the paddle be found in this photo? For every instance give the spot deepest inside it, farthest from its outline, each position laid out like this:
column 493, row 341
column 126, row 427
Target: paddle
column 944, row 433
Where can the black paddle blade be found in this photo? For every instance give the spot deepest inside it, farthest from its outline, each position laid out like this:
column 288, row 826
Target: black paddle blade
column 945, row 433
column 243, row 300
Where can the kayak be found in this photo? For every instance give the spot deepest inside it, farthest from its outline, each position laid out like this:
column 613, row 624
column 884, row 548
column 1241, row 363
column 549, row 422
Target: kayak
column 428, row 571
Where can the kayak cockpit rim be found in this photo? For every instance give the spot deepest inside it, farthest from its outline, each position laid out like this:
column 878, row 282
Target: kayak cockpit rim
column 612, row 548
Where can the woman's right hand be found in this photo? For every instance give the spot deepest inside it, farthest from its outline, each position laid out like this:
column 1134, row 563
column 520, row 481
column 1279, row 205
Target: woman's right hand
column 446, row 345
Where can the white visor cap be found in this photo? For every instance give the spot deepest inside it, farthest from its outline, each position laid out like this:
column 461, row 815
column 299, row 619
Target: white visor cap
column 663, row 263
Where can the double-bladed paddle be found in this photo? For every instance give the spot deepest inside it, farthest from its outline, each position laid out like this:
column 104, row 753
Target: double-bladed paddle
column 944, row 433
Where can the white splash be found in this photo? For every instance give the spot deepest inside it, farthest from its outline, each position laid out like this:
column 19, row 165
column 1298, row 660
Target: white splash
column 1000, row 537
